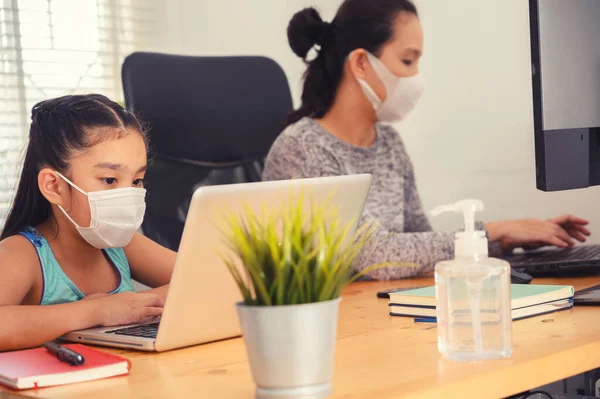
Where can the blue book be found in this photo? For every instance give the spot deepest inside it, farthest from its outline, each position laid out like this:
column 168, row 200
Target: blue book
column 527, row 300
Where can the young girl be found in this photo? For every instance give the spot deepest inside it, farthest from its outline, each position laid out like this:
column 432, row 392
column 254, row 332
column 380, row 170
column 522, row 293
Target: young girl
column 71, row 236
column 364, row 77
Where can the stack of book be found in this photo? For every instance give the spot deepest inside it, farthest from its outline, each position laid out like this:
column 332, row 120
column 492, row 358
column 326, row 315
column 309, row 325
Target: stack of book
column 527, row 301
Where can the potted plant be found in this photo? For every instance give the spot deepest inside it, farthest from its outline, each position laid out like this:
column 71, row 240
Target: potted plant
column 290, row 267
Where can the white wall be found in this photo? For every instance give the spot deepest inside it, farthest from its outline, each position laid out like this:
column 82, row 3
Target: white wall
column 473, row 132
column 239, row 27
column 471, row 135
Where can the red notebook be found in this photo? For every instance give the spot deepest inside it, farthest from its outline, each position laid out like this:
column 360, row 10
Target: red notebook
column 36, row 368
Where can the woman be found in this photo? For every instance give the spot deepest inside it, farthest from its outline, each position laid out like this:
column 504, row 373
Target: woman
column 365, row 74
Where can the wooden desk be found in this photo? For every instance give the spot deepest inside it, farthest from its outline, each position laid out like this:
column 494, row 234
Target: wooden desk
column 378, row 356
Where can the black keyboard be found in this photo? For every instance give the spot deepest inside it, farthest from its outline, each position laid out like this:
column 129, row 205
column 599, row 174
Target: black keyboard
column 582, row 253
column 145, row 330
column 585, row 253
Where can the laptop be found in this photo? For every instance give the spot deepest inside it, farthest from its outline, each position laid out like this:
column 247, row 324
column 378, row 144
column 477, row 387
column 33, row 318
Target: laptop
column 579, row 260
column 200, row 304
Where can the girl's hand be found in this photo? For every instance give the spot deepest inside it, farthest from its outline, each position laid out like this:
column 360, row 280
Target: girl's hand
column 127, row 307
column 534, row 233
column 95, row 296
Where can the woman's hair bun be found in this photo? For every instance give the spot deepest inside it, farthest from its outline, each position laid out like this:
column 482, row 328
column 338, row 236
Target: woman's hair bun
column 306, row 28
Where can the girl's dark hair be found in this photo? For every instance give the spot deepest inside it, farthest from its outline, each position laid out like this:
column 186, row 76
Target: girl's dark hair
column 60, row 129
column 366, row 24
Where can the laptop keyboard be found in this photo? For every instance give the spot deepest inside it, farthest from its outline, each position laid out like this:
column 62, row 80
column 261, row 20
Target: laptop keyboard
column 145, row 330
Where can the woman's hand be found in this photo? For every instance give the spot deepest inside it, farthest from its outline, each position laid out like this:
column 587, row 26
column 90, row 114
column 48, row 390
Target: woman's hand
column 534, row 233
column 127, row 307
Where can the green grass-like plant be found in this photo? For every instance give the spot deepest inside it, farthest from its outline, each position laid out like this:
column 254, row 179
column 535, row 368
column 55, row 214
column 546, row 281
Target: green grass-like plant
column 293, row 256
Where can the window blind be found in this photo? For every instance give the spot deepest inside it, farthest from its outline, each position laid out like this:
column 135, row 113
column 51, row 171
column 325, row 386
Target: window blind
column 50, row 48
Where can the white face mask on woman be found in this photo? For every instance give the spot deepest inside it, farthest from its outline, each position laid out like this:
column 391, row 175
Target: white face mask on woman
column 402, row 93
column 115, row 215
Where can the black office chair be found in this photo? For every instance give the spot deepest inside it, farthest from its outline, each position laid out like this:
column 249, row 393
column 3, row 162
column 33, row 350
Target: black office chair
column 211, row 121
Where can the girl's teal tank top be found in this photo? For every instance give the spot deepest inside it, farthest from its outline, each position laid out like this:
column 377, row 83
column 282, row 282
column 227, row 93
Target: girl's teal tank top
column 57, row 286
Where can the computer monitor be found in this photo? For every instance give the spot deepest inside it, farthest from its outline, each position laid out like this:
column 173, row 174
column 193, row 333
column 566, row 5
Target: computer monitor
column 565, row 52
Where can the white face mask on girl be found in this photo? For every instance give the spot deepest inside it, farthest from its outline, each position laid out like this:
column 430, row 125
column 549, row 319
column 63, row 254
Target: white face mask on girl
column 115, row 215
column 402, row 93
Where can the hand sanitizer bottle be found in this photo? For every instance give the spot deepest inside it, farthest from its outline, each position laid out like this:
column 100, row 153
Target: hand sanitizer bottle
column 472, row 295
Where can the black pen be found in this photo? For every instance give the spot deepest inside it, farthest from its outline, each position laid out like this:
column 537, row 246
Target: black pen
column 64, row 354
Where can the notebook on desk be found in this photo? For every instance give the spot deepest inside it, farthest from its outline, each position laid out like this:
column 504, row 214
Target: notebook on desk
column 37, row 368
column 526, row 301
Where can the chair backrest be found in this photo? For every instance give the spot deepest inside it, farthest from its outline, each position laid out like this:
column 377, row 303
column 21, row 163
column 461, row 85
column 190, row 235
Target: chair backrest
column 211, row 120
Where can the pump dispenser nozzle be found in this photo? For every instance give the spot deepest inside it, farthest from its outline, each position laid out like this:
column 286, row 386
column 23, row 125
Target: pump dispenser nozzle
column 470, row 242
